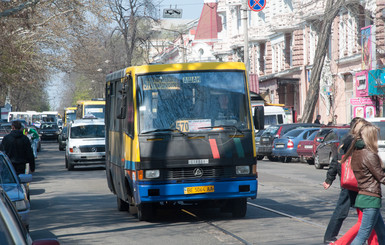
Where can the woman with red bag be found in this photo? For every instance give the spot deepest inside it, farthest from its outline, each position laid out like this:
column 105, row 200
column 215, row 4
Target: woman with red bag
column 366, row 165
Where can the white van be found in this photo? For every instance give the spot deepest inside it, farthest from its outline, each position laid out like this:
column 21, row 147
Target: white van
column 85, row 144
column 380, row 123
column 274, row 115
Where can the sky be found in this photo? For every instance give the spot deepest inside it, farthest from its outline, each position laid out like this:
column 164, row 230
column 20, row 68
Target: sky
column 192, row 9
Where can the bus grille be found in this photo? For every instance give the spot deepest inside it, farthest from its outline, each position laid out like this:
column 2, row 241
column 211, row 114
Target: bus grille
column 92, row 148
column 208, row 172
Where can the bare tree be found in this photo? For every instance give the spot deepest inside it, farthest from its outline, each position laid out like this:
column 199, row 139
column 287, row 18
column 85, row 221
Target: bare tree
column 331, row 11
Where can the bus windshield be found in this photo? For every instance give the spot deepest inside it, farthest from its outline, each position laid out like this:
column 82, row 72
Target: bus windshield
column 193, row 101
column 94, row 110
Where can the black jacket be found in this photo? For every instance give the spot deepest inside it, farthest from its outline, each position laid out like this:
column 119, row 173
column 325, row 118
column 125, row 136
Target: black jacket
column 335, row 166
column 18, row 148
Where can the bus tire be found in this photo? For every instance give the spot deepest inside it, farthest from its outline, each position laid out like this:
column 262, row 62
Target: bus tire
column 122, row 205
column 145, row 212
column 239, row 207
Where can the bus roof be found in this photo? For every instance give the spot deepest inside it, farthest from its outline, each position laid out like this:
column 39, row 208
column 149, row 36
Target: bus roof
column 177, row 67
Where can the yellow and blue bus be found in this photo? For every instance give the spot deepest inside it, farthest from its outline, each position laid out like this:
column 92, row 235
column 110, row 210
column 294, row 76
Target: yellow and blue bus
column 69, row 114
column 180, row 133
column 94, row 108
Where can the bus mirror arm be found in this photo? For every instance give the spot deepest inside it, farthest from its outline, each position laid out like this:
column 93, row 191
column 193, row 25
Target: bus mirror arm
column 259, row 118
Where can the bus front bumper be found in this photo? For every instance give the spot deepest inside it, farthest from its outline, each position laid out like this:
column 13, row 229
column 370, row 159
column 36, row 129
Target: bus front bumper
column 197, row 191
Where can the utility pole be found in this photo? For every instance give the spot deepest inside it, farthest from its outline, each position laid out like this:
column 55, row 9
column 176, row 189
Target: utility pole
column 246, row 36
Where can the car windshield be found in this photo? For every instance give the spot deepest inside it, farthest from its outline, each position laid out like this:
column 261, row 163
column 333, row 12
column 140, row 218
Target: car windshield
column 193, row 101
column 271, row 130
column 342, row 132
column 49, row 126
column 323, row 132
column 293, row 133
column 88, row 131
column 6, row 176
column 312, row 136
column 380, row 125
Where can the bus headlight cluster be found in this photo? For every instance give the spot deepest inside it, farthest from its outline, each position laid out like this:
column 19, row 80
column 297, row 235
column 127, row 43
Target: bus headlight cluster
column 242, row 169
column 152, row 174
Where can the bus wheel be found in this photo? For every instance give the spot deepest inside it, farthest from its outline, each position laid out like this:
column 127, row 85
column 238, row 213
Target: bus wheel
column 146, row 212
column 239, row 207
column 122, row 205
column 132, row 209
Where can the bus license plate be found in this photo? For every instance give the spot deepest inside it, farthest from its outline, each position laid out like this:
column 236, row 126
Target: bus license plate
column 198, row 189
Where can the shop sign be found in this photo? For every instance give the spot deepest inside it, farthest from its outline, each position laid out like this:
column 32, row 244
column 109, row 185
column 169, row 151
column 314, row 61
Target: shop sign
column 376, row 82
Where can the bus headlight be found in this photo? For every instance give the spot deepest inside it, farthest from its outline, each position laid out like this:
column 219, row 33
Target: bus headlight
column 152, row 174
column 242, row 169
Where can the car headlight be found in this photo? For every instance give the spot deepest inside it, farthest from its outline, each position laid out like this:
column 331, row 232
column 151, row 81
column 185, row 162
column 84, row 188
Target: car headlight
column 242, row 169
column 152, row 174
column 21, row 205
column 74, row 149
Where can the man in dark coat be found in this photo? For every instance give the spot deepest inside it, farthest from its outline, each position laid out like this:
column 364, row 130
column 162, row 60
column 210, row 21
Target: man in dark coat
column 18, row 148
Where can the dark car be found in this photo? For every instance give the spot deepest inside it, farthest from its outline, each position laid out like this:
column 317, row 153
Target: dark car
column 285, row 148
column 63, row 138
column 328, row 147
column 305, row 149
column 49, row 130
column 257, row 140
column 276, row 131
column 323, row 132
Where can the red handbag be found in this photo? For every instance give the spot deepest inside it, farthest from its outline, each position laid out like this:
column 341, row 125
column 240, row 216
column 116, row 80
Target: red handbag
column 348, row 180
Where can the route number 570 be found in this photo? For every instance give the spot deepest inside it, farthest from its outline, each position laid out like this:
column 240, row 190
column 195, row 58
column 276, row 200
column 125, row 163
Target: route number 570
column 182, row 126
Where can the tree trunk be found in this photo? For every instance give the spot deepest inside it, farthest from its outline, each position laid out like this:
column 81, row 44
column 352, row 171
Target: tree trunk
column 331, row 12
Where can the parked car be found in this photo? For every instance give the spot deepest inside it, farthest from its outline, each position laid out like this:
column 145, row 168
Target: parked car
column 257, row 140
column 49, row 130
column 276, row 131
column 63, row 138
column 328, row 148
column 380, row 123
column 323, row 132
column 285, row 148
column 85, row 143
column 305, row 148
column 12, row 229
column 15, row 187
column 5, row 128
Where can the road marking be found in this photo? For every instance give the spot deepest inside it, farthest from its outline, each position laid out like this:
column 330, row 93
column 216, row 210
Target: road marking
column 286, row 215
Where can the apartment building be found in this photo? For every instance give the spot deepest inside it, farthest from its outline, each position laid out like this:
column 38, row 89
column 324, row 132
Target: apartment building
column 282, row 44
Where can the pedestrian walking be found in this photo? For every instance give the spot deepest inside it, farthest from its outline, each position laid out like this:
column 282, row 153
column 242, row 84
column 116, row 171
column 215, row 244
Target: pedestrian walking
column 346, row 198
column 366, row 165
column 18, row 148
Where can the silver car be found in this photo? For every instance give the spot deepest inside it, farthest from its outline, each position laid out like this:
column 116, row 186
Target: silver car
column 85, row 143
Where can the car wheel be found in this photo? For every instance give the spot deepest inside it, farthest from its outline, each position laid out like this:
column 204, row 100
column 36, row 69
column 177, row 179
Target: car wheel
column 66, row 162
column 260, row 157
column 317, row 164
column 70, row 166
column 272, row 158
column 239, row 207
column 310, row 161
column 286, row 159
column 122, row 205
column 146, row 211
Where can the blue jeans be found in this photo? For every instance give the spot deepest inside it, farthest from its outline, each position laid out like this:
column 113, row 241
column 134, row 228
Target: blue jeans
column 341, row 211
column 371, row 218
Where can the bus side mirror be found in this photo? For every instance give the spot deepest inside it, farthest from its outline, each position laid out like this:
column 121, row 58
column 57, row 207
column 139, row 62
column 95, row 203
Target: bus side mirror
column 259, row 117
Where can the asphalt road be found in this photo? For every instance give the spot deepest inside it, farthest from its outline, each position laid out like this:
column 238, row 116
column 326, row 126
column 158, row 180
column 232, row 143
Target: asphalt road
column 76, row 207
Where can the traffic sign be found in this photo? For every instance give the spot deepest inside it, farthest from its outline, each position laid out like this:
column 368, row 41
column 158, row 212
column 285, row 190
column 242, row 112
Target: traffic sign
column 257, row 5
column 172, row 13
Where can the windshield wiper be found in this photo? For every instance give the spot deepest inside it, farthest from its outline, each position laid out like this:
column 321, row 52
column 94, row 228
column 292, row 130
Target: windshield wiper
column 165, row 130
column 225, row 126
